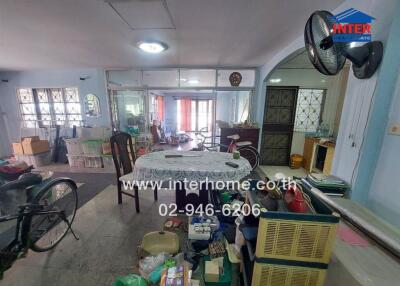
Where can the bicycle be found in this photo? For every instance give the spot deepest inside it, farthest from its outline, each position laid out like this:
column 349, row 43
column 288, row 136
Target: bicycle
column 44, row 220
column 243, row 147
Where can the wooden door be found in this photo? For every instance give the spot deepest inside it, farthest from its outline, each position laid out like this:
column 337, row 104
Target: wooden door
column 279, row 116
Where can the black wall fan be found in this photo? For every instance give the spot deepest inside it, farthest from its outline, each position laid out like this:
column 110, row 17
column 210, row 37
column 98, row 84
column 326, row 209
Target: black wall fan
column 328, row 57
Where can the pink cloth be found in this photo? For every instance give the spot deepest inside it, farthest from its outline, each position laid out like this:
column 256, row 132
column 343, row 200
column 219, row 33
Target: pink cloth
column 350, row 236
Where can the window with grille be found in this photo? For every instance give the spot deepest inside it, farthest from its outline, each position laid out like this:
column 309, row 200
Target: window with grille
column 48, row 107
column 309, row 109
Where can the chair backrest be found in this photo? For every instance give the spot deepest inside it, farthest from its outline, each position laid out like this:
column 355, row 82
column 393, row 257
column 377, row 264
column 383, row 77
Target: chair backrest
column 120, row 143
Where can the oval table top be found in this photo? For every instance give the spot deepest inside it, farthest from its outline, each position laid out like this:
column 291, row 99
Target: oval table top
column 193, row 166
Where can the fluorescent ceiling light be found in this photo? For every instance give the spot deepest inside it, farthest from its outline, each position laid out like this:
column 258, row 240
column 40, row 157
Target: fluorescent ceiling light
column 193, row 81
column 152, row 47
column 183, row 79
column 275, row 80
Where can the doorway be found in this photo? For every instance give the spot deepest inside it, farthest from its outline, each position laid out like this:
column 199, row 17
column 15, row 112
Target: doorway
column 279, row 116
column 194, row 112
column 201, row 115
column 302, row 110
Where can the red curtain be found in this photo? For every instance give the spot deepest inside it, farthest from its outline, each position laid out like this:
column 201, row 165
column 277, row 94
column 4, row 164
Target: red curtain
column 160, row 108
column 186, row 116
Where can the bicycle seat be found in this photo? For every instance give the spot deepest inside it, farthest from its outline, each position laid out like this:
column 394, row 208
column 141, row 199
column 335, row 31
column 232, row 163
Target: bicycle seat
column 234, row 137
column 23, row 182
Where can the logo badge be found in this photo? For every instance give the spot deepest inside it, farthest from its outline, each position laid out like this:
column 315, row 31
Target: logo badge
column 352, row 26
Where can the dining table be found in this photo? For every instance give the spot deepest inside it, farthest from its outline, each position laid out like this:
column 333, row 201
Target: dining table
column 190, row 166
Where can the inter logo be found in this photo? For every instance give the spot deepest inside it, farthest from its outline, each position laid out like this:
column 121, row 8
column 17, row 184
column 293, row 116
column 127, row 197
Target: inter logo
column 352, row 26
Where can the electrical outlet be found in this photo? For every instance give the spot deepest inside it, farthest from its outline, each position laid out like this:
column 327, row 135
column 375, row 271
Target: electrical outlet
column 395, row 129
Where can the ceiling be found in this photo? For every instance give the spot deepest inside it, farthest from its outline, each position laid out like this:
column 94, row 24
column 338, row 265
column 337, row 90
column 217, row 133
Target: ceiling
column 93, row 33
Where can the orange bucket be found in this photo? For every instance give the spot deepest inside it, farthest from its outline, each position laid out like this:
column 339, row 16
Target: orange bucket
column 296, row 161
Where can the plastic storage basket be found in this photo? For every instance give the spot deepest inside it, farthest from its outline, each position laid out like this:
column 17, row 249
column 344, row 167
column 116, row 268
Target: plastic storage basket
column 278, row 273
column 77, row 161
column 159, row 241
column 92, row 147
column 93, row 162
column 108, row 162
column 36, row 160
column 74, row 146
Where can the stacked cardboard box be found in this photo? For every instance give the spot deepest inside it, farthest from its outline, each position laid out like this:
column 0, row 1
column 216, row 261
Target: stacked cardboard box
column 30, row 146
column 33, row 151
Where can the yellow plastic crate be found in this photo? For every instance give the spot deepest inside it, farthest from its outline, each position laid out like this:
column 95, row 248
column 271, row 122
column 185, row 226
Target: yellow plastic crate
column 266, row 274
column 299, row 237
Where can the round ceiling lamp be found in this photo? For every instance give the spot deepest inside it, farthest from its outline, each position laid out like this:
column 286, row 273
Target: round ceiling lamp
column 152, row 47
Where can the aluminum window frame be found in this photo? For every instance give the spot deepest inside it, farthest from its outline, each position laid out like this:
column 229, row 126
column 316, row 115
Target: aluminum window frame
column 38, row 122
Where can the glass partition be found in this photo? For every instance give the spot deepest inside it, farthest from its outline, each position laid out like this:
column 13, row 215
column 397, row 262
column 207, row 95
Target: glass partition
column 132, row 78
column 133, row 104
column 129, row 111
column 161, row 78
column 180, row 78
column 197, row 78
column 233, row 106
column 248, row 77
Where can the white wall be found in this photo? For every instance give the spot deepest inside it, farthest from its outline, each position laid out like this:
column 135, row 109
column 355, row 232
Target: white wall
column 51, row 78
column 5, row 148
column 298, row 143
column 359, row 96
column 384, row 195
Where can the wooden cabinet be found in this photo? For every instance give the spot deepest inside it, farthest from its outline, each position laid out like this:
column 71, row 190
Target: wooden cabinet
column 328, row 160
column 318, row 156
column 308, row 152
column 246, row 134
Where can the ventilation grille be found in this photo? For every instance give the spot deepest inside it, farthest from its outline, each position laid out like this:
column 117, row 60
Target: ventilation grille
column 295, row 240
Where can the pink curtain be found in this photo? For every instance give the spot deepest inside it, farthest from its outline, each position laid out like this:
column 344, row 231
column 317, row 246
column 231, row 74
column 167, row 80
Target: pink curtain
column 160, row 108
column 186, row 116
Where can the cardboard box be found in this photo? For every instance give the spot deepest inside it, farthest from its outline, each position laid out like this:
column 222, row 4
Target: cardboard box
column 35, row 147
column 211, row 273
column 30, row 139
column 106, row 148
column 17, row 148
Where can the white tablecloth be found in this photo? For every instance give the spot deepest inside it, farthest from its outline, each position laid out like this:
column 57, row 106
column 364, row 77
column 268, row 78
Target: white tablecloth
column 155, row 167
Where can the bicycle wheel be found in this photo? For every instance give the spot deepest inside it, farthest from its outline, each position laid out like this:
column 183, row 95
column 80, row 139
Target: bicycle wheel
column 251, row 154
column 47, row 230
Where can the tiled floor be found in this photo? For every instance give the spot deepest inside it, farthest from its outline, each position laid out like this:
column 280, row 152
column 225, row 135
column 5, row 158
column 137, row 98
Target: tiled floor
column 109, row 235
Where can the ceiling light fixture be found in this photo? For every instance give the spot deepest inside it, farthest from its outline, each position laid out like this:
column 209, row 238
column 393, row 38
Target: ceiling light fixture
column 193, row 81
column 152, row 47
column 183, row 79
column 275, row 80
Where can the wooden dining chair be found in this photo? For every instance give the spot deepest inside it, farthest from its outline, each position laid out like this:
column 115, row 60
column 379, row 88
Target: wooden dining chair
column 124, row 157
